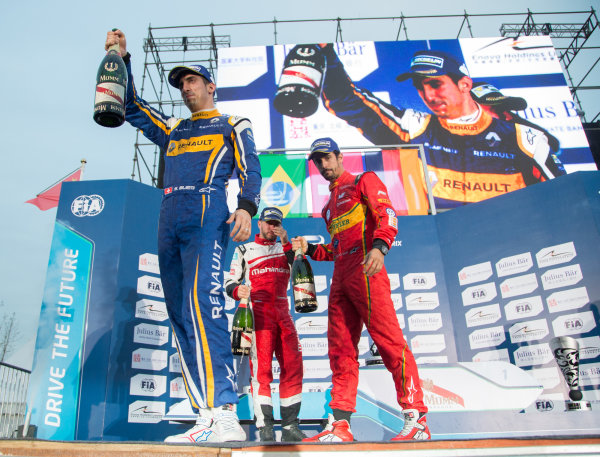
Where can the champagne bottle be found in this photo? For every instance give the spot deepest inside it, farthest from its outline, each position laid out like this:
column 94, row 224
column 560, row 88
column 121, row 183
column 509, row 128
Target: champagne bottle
column 242, row 329
column 301, row 81
column 303, row 282
column 111, row 86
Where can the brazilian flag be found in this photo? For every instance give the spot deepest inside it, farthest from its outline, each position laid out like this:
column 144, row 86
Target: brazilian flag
column 284, row 183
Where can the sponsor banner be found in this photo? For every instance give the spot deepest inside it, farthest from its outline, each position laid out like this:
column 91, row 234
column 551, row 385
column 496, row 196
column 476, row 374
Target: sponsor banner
column 177, row 388
column 562, row 277
column 569, row 299
column 320, row 283
column 589, row 374
column 589, row 348
column 55, row 377
column 574, row 324
column 419, row 281
column 151, row 385
column 514, row 264
column 483, row 315
column 481, row 293
column 554, row 255
column 425, row 322
column 487, row 337
column 316, row 325
column 522, row 308
column 156, row 335
column 519, row 285
column 534, row 354
column 363, row 345
column 316, row 386
column 500, row 355
column 475, row 273
column 174, row 363
column 548, row 377
column 431, row 359
column 528, row 331
column 394, row 281
column 322, row 303
column 506, row 56
column 423, row 301
column 146, row 412
column 150, row 285
column 149, row 263
column 316, row 369
column 401, row 320
column 314, row 347
column 151, row 309
column 397, row 301
column 428, row 344
column 149, row 359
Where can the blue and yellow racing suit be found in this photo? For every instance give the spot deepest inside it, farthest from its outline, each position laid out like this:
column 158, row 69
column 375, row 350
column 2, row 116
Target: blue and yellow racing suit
column 201, row 154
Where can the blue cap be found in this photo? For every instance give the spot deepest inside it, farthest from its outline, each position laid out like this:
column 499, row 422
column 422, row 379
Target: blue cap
column 430, row 64
column 323, row 146
column 177, row 72
column 271, row 214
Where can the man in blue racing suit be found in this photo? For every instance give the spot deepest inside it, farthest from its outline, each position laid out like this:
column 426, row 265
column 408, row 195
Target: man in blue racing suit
column 471, row 156
column 200, row 155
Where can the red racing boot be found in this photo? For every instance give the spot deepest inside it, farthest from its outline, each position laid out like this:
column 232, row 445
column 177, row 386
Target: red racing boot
column 334, row 432
column 415, row 427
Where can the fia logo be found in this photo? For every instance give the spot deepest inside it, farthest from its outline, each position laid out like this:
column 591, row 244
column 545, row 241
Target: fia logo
column 87, row 205
column 544, row 405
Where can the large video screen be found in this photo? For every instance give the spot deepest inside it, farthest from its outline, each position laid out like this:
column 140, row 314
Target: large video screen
column 491, row 115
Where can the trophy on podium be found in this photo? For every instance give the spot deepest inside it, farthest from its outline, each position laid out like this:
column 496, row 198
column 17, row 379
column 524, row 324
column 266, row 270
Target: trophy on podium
column 375, row 358
column 566, row 353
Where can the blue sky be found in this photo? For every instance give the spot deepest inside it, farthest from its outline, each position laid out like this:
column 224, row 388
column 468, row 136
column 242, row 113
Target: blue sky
column 50, row 59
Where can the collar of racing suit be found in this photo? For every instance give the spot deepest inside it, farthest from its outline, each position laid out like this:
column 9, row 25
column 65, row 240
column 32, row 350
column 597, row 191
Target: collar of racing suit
column 259, row 240
column 205, row 114
column 345, row 176
column 475, row 127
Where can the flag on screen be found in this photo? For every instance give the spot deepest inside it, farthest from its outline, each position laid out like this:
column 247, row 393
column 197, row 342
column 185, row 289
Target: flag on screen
column 284, row 183
column 48, row 198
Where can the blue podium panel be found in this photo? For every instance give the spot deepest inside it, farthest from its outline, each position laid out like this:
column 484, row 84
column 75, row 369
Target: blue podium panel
column 524, row 268
column 474, row 288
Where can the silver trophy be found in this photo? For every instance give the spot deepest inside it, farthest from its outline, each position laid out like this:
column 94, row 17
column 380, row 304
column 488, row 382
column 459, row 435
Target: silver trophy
column 566, row 353
column 375, row 358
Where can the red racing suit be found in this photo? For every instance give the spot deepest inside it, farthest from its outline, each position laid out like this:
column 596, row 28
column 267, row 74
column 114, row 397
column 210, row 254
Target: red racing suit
column 359, row 213
column 265, row 267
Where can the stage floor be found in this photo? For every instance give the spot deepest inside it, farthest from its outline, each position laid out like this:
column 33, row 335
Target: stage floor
column 564, row 446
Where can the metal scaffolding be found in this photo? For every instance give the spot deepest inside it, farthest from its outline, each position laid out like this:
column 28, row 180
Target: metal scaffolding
column 577, row 43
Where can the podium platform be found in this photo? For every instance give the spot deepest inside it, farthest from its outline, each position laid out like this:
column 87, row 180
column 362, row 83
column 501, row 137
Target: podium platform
column 488, row 283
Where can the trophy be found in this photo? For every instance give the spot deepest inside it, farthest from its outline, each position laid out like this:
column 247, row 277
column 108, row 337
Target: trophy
column 566, row 353
column 375, row 358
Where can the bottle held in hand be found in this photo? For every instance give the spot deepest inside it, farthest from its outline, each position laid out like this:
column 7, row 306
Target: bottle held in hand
column 303, row 282
column 301, row 80
column 111, row 86
column 242, row 329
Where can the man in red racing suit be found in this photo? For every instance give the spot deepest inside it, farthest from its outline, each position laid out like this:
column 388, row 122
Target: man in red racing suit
column 264, row 265
column 362, row 225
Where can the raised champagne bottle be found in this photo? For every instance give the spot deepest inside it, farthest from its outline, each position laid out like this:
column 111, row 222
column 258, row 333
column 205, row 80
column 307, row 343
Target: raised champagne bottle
column 303, row 282
column 111, row 86
column 242, row 329
column 301, row 81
